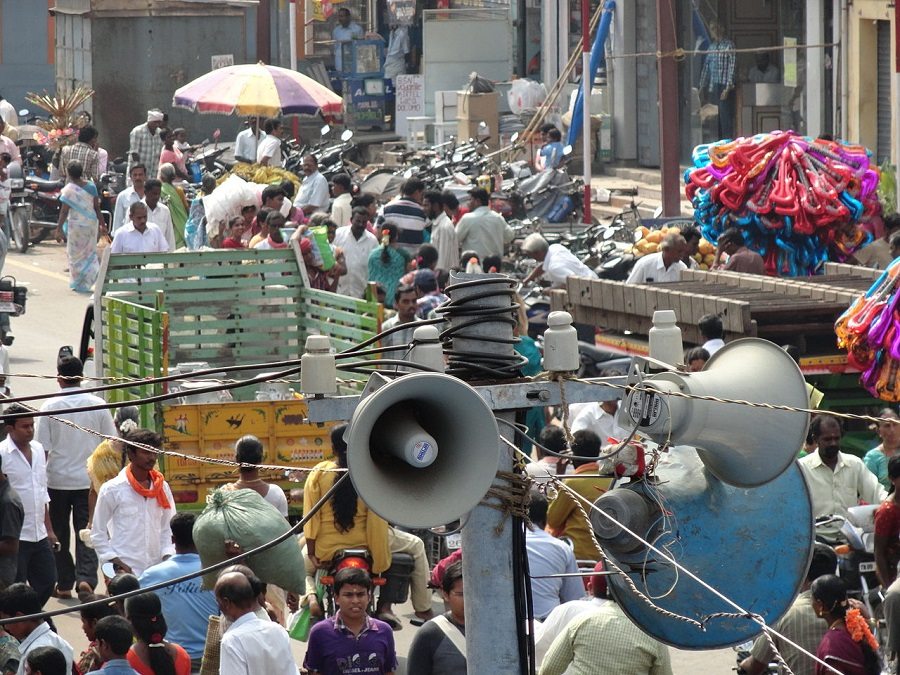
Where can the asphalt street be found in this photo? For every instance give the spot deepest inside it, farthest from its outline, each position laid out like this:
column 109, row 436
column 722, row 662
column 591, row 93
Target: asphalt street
column 53, row 318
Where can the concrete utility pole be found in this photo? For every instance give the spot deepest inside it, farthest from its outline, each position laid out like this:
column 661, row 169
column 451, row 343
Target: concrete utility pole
column 587, row 81
column 669, row 131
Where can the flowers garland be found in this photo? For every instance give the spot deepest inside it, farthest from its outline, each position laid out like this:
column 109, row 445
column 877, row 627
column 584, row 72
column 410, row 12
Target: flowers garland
column 858, row 628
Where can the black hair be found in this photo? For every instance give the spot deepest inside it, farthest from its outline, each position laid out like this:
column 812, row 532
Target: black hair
column 248, row 207
column 129, row 412
column 46, row 661
column 831, row 591
column 182, row 526
column 824, row 561
column 262, row 215
column 70, row 367
column 271, row 124
column 537, row 509
column 142, row 437
column 392, row 237
column 695, row 354
column 152, row 184
column 585, row 444
column 893, row 470
column 892, row 221
column 74, row 170
column 19, row 598
column 248, row 450
column 452, row 573
column 450, row 200
column 360, row 211
column 411, row 186
column 98, row 611
column 270, row 192
column 115, row 631
column 15, row 409
column 87, row 134
column 435, row 197
column 345, row 501
column 554, row 134
column 144, row 611
column 821, row 420
column 365, row 199
column 480, row 195
column 343, row 180
column 427, row 255
column 288, row 188
column 352, row 576
column 690, row 232
column 134, row 167
column 122, row 583
column 710, row 326
column 552, row 437
column 403, row 289
column 491, row 262
column 547, row 127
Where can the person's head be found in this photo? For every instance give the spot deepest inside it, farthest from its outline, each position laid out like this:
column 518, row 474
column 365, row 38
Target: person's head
column 894, row 242
column 710, row 326
column 74, row 170
column 236, row 227
column 273, row 197
column 69, row 371
column 425, row 282
column 826, row 433
column 275, row 221
column 492, row 263
column 180, row 134
column 208, row 183
column 716, row 30
column 166, row 172
column 696, row 358
column 426, row 257
column 367, row 201
column 537, row 509
column 433, row 203
column 19, row 429
column 256, row 584
column 889, row 430
column 673, row 247
column 20, row 600
column 248, row 213
column 155, row 120
column 893, row 472
column 345, row 501
column 114, row 637
column 692, row 236
column 413, row 188
column 829, row 596
column 89, row 135
column 762, row 61
column 343, row 16
column 586, row 446
column 535, row 247
column 731, row 240
column 452, row 590
column 91, row 615
column 545, row 131
column 478, row 197
column 235, row 594
column 137, row 214
column 248, row 450
column 451, row 203
column 138, row 175
column 341, row 184
column 273, row 127
column 389, row 234
column 554, row 135
column 168, row 138
column 140, row 458
column 596, row 584
column 552, row 437
column 823, row 562
column 119, row 584
column 45, row 661
column 145, row 614
column 152, row 192
column 359, row 218
column 331, row 228
column 182, row 526
column 352, row 592
column 405, row 302
column 310, row 165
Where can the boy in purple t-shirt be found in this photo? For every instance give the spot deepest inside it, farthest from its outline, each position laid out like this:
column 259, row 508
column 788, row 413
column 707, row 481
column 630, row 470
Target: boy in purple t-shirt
column 351, row 641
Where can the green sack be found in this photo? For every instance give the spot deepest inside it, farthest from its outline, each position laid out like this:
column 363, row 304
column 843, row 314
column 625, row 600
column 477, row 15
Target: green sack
column 320, row 239
column 300, row 624
column 248, row 519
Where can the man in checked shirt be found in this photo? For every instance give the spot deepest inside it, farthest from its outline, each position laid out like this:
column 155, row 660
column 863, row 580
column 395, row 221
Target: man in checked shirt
column 717, row 79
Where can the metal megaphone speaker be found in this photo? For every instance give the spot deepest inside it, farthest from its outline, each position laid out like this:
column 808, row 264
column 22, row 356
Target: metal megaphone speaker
column 751, row 544
column 741, row 445
column 423, row 449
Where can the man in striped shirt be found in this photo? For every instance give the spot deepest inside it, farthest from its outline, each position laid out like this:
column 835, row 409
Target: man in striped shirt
column 406, row 212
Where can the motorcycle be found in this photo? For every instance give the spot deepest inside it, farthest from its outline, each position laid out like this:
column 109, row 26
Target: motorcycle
column 854, row 545
column 392, row 586
column 33, row 208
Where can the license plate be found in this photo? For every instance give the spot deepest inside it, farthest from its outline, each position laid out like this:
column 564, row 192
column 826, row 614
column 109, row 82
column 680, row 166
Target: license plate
column 454, row 541
column 867, row 567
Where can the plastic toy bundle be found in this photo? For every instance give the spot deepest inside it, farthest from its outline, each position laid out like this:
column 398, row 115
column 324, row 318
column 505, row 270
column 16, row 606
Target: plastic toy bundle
column 797, row 200
column 870, row 332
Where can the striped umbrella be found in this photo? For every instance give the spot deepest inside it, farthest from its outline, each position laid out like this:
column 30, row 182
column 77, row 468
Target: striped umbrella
column 257, row 89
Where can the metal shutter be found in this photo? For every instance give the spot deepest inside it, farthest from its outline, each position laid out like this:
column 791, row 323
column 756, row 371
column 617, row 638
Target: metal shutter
column 883, row 149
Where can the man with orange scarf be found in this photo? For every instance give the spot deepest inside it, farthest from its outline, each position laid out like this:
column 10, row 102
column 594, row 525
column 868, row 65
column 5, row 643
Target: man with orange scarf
column 131, row 519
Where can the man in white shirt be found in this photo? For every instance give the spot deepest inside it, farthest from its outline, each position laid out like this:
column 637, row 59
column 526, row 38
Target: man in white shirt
column 341, row 187
column 357, row 243
column 21, row 600
column 157, row 212
column 251, row 645
column 443, row 231
column 556, row 262
column 139, row 236
column 248, row 140
column 129, row 196
column 25, row 466
column 345, row 31
column 314, row 194
column 547, row 555
column 601, row 419
column 836, row 480
column 8, row 113
column 663, row 266
column 268, row 150
column 482, row 230
column 134, row 509
column 68, row 483
column 712, row 331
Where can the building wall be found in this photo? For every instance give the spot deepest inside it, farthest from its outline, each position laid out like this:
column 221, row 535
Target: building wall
column 862, row 82
column 26, row 60
column 648, row 88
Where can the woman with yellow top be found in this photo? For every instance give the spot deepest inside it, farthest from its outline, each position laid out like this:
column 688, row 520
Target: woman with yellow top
column 344, row 521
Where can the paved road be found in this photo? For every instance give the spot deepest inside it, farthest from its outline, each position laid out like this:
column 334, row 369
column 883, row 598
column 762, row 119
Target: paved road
column 53, row 318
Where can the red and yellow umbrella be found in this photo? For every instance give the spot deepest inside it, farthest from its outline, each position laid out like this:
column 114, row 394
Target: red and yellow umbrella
column 257, row 89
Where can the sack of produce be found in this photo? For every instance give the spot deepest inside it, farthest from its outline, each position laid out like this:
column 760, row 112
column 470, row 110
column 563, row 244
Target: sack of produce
column 244, row 517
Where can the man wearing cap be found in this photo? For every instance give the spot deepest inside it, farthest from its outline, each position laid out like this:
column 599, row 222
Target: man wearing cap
column 428, row 296
column 556, row 262
column 146, row 144
column 68, row 449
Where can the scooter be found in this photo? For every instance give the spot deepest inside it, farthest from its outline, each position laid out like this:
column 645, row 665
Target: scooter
column 33, row 207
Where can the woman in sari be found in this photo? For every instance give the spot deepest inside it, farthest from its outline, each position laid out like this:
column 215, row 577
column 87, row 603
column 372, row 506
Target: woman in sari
column 848, row 645
column 80, row 212
column 174, row 198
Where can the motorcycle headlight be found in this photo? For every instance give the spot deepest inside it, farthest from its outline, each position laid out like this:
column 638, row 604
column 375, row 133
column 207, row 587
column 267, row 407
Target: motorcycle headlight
column 16, row 183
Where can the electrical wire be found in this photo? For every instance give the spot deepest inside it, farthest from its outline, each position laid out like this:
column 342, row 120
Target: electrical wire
column 193, row 575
